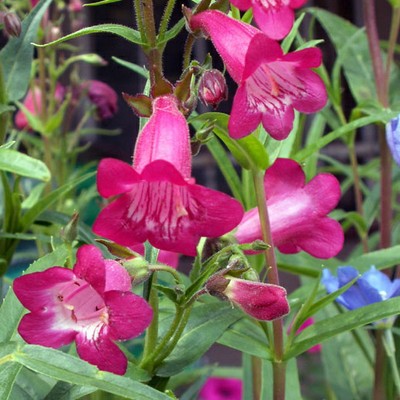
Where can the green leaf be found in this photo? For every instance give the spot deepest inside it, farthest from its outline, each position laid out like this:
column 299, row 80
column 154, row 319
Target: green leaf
column 68, row 391
column 125, row 32
column 67, row 368
column 30, row 216
column 16, row 57
column 31, row 386
column 8, row 374
column 11, row 310
column 248, row 152
column 330, row 327
column 247, row 336
column 173, row 32
column 100, row 3
column 4, row 108
column 206, row 324
column 347, row 367
column 22, row 164
column 133, row 67
column 383, row 116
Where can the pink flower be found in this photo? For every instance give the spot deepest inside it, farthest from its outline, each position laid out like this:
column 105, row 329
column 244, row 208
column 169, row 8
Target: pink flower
column 274, row 17
column 33, row 103
column 217, row 388
column 297, row 211
column 91, row 305
column 308, row 322
column 158, row 200
column 262, row 301
column 75, row 5
column 103, row 97
column 271, row 84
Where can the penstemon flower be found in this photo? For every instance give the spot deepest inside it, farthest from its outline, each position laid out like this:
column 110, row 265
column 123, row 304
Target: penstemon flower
column 158, row 199
column 271, row 84
column 103, row 97
column 274, row 17
column 297, row 211
column 91, row 305
column 371, row 287
column 217, row 388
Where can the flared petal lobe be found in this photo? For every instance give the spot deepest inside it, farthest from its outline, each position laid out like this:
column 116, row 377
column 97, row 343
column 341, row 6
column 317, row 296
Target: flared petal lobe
column 297, row 211
column 260, row 300
column 168, row 211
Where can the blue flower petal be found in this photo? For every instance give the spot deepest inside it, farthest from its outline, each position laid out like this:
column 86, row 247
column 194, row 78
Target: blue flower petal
column 395, row 289
column 330, row 282
column 379, row 281
column 393, row 138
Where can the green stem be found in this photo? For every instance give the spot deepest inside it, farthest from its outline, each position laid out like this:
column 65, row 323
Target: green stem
column 165, row 18
column 166, row 268
column 3, row 101
column 139, row 20
column 273, row 278
column 187, row 50
column 390, row 348
column 152, row 332
column 171, row 337
column 256, row 366
column 379, row 392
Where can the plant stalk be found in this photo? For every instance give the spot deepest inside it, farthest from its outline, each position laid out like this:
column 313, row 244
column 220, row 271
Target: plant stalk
column 279, row 369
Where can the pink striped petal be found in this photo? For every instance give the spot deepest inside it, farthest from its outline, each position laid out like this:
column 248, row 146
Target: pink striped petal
column 129, row 315
column 275, row 22
column 168, row 211
column 100, row 351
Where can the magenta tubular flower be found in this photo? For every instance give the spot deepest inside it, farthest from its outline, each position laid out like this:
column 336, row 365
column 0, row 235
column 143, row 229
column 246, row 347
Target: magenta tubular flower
column 262, row 301
column 91, row 305
column 159, row 201
column 103, row 97
column 33, row 103
column 274, row 17
column 217, row 388
column 308, row 322
column 297, row 211
column 271, row 84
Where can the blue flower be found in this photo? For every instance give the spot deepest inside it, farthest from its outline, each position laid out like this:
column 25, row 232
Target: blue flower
column 393, row 138
column 371, row 287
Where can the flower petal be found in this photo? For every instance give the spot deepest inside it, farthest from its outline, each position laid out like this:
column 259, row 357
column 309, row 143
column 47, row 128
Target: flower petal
column 129, row 315
column 38, row 290
column 117, row 277
column 40, row 328
column 115, row 177
column 101, row 352
column 244, row 118
column 275, row 22
column 90, row 267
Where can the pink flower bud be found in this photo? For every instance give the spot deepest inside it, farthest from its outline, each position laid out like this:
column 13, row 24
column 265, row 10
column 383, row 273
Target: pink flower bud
column 12, row 24
column 212, row 88
column 262, row 301
column 75, row 6
column 103, row 97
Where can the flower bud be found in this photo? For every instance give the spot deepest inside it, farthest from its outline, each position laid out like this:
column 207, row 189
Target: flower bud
column 12, row 24
column 262, row 301
column 212, row 88
column 138, row 269
column 103, row 97
column 70, row 231
column 75, row 6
